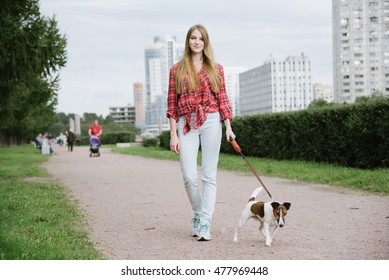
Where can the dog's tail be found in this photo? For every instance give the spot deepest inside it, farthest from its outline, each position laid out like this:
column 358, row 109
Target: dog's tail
column 255, row 193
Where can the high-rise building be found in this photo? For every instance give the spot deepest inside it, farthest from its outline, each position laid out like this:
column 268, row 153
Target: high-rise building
column 159, row 57
column 231, row 75
column 360, row 48
column 139, row 101
column 276, row 86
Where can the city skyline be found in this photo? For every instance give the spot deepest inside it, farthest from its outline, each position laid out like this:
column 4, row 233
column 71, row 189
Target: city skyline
column 107, row 39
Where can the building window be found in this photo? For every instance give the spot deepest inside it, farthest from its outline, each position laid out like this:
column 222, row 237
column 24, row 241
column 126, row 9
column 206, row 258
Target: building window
column 374, row 19
column 344, row 21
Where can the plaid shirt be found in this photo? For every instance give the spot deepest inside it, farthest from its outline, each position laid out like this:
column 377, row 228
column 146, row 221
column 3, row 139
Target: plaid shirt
column 201, row 101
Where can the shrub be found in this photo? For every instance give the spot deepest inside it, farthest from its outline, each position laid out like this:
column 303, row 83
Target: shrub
column 164, row 140
column 354, row 135
column 113, row 138
column 150, row 142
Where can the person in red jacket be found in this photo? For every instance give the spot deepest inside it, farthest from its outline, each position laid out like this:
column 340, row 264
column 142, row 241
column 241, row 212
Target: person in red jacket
column 95, row 129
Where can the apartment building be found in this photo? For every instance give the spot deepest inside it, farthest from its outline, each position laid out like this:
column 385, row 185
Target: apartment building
column 123, row 114
column 276, row 86
column 323, row 92
column 360, row 48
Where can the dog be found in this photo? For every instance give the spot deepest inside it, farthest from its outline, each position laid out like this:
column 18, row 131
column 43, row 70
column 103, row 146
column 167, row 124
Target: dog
column 268, row 214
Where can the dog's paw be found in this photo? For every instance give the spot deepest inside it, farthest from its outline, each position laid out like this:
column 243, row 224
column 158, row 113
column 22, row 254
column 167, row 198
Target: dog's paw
column 235, row 240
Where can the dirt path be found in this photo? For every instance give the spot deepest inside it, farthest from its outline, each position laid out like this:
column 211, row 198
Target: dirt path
column 137, row 209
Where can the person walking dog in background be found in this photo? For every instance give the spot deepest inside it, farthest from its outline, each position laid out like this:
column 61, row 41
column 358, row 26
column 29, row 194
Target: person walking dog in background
column 198, row 103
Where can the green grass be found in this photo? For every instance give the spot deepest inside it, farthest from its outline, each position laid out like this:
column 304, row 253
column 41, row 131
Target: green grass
column 374, row 181
column 38, row 218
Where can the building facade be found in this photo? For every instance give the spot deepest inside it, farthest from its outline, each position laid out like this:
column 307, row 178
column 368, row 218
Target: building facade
column 323, row 92
column 159, row 57
column 139, row 101
column 123, row 114
column 231, row 75
column 276, row 86
column 360, row 48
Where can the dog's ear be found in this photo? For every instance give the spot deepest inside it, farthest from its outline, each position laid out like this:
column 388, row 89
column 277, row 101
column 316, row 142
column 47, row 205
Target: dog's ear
column 275, row 204
column 287, row 205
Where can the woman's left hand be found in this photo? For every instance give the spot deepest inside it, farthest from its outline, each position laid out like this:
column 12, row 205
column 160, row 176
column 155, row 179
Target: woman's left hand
column 230, row 135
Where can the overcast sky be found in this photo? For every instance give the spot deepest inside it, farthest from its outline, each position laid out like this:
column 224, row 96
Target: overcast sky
column 107, row 38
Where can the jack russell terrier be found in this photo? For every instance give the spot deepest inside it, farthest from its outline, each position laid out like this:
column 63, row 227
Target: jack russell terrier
column 268, row 213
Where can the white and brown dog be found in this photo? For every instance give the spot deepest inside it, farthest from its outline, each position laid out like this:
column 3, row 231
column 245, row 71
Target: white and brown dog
column 268, row 213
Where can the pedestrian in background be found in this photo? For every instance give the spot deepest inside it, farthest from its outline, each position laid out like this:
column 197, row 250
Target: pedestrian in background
column 95, row 129
column 71, row 138
column 39, row 141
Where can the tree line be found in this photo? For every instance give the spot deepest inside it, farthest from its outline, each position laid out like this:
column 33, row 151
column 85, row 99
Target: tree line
column 32, row 52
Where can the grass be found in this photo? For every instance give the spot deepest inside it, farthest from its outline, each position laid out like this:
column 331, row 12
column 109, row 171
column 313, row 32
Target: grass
column 38, row 218
column 374, row 181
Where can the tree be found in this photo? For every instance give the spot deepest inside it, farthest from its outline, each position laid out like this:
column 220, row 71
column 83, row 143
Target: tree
column 318, row 103
column 32, row 51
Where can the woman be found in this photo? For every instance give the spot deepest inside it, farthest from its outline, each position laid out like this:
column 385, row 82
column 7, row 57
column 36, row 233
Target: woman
column 198, row 103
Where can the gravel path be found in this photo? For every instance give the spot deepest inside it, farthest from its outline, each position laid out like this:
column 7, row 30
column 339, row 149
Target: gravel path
column 137, row 208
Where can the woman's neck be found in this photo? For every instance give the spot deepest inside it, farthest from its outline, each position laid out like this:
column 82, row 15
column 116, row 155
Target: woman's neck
column 197, row 58
column 197, row 61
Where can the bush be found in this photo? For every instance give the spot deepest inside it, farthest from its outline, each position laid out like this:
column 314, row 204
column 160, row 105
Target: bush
column 164, row 140
column 113, row 138
column 117, row 137
column 351, row 135
column 150, row 142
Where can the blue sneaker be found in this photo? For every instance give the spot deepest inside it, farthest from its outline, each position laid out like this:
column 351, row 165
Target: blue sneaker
column 196, row 225
column 204, row 234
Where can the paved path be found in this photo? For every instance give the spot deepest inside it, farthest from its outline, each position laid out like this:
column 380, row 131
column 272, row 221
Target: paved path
column 137, row 208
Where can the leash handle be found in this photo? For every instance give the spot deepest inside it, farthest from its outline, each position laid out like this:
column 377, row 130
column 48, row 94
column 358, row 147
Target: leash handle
column 235, row 145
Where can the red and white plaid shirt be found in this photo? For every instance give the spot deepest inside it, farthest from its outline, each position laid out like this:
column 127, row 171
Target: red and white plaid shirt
column 201, row 101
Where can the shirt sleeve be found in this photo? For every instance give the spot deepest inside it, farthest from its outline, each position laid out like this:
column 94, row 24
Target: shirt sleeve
column 172, row 96
column 225, row 108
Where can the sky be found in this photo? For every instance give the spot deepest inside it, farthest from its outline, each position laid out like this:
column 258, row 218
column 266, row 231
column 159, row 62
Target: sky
column 106, row 40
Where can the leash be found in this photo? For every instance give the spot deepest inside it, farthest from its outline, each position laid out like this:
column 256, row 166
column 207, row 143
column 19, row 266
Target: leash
column 239, row 151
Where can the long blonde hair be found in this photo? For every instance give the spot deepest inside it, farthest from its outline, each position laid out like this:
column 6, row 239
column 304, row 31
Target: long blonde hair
column 186, row 71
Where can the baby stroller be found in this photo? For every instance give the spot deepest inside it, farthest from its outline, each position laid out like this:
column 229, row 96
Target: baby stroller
column 94, row 146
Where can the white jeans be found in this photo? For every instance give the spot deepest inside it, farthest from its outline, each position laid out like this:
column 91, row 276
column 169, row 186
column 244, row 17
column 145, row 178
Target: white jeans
column 209, row 137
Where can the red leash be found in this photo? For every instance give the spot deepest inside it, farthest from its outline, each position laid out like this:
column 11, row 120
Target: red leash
column 239, row 151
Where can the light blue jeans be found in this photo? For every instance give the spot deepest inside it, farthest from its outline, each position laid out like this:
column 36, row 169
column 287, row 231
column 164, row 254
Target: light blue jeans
column 209, row 137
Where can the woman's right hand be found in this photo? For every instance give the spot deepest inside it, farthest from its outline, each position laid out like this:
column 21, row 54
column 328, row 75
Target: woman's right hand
column 175, row 144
